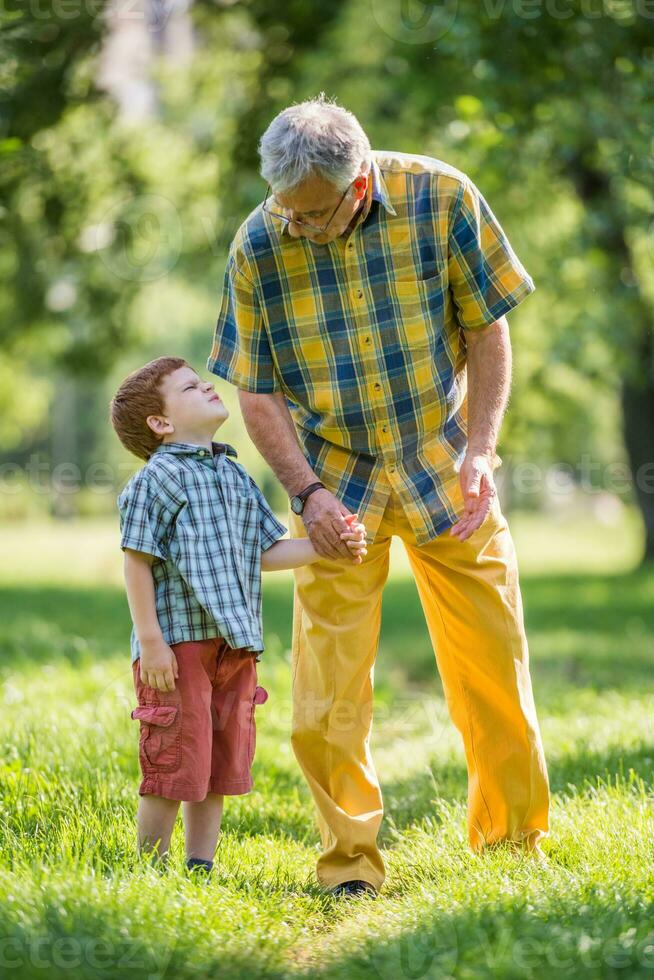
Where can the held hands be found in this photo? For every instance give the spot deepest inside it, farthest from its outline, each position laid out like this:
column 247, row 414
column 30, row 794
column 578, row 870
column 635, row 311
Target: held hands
column 479, row 491
column 355, row 538
column 331, row 528
column 158, row 665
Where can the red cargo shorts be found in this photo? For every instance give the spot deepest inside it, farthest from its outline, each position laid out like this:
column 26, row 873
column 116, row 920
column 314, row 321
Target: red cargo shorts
column 199, row 738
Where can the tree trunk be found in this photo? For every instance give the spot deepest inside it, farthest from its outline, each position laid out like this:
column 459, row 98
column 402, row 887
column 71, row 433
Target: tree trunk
column 637, row 387
column 638, row 415
column 64, row 428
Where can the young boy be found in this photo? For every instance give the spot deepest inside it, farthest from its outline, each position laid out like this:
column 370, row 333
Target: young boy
column 196, row 532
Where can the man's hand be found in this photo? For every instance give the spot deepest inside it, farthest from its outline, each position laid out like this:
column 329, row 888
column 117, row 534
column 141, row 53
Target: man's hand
column 158, row 665
column 355, row 539
column 324, row 518
column 479, row 491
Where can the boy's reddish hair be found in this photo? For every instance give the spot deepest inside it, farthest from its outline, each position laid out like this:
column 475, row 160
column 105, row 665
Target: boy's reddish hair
column 139, row 396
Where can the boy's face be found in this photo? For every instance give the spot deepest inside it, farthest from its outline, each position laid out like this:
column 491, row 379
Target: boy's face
column 191, row 407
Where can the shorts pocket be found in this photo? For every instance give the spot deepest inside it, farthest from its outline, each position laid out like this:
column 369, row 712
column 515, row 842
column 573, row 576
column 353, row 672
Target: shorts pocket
column 161, row 736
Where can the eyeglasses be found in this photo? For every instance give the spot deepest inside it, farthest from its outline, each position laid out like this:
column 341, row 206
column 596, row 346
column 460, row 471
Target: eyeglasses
column 302, row 224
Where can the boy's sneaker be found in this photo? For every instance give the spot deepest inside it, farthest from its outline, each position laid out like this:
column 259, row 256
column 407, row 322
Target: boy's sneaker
column 198, row 867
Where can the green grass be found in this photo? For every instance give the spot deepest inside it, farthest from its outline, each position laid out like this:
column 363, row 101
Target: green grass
column 75, row 898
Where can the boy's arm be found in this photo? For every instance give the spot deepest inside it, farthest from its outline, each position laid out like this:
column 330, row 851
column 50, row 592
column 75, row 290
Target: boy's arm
column 293, row 552
column 288, row 553
column 158, row 662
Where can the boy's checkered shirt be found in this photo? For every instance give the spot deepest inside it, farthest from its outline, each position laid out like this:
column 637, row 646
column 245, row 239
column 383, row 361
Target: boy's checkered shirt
column 206, row 522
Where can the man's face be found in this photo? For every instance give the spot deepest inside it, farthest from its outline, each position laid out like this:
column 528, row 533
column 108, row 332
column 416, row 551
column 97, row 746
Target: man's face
column 190, row 404
column 314, row 201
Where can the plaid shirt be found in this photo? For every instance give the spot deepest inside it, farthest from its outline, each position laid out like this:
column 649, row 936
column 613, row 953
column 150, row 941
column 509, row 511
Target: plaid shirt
column 364, row 336
column 206, row 521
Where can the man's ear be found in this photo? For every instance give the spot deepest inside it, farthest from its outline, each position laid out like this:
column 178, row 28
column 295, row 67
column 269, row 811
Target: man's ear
column 160, row 425
column 361, row 185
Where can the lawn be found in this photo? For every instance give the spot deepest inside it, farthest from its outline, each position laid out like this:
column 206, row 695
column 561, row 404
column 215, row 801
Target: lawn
column 75, row 898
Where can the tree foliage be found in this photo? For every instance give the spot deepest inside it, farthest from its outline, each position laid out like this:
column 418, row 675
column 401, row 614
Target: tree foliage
column 113, row 234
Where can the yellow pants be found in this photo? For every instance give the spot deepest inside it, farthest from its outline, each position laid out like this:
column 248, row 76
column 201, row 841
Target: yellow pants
column 471, row 599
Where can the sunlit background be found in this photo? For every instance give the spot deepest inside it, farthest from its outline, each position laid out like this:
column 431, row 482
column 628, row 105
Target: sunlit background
column 128, row 160
column 128, row 135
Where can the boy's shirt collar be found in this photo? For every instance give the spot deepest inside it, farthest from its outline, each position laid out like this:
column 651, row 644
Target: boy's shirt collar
column 189, row 449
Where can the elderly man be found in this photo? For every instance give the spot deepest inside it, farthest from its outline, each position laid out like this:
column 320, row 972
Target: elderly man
column 363, row 320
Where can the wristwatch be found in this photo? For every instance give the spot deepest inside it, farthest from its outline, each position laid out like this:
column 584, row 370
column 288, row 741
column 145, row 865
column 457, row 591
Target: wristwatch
column 300, row 499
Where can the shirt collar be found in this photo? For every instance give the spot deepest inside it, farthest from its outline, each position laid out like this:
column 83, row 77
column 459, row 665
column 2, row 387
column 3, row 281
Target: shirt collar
column 379, row 192
column 379, row 189
column 189, row 449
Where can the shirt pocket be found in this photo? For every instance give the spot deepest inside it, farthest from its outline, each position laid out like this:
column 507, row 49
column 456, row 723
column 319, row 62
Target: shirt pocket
column 244, row 522
column 419, row 306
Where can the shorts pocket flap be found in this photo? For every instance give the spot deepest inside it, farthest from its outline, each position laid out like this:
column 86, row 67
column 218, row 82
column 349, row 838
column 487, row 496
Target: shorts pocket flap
column 162, row 715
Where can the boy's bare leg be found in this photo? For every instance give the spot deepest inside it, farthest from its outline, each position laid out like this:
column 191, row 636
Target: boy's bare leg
column 202, row 826
column 155, row 822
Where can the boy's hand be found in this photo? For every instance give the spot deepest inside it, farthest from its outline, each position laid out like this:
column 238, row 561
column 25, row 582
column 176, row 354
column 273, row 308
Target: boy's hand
column 158, row 665
column 355, row 539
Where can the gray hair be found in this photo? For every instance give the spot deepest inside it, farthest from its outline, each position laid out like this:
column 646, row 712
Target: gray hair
column 316, row 137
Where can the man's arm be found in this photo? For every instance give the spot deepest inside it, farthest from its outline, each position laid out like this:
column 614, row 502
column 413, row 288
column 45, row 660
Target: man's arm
column 489, row 382
column 271, row 429
column 158, row 662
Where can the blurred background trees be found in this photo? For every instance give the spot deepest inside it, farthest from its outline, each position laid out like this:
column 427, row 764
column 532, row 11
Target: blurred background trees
column 128, row 136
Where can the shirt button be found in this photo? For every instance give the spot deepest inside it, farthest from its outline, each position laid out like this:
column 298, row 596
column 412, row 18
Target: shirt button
column 377, row 386
column 391, row 468
column 366, row 340
column 359, row 294
column 384, row 428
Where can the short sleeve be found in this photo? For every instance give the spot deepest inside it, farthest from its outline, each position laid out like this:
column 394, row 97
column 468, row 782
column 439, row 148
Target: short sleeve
column 271, row 529
column 241, row 351
column 486, row 277
column 144, row 519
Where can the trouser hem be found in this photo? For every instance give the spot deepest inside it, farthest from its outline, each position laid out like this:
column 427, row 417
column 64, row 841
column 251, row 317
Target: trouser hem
column 358, row 873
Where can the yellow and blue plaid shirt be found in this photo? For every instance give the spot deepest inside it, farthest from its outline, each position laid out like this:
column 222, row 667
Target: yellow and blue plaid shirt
column 364, row 335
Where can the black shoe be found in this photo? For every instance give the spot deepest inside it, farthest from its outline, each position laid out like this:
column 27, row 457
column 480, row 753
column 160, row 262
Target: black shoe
column 199, row 867
column 353, row 889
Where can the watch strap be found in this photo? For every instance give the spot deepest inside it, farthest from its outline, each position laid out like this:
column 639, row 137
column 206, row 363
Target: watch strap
column 303, row 494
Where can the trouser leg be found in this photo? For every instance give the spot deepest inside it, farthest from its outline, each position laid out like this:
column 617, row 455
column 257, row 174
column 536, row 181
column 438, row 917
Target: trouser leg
column 470, row 594
column 337, row 618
